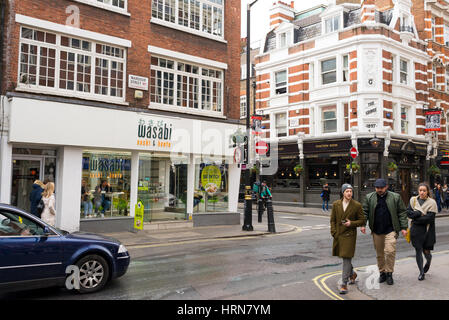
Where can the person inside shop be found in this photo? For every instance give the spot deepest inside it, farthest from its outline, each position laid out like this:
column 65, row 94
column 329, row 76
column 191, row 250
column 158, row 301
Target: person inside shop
column 106, row 191
column 422, row 210
column 85, row 198
column 97, row 199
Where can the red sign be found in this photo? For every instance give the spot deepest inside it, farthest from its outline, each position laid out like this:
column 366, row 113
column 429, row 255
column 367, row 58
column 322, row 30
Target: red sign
column 261, row 147
column 354, row 153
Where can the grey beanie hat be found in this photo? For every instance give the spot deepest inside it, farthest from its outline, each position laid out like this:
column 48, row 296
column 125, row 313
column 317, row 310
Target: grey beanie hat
column 346, row 186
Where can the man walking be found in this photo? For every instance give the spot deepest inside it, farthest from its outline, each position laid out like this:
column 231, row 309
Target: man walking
column 387, row 216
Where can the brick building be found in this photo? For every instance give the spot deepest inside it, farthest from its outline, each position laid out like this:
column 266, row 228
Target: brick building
column 347, row 75
column 141, row 94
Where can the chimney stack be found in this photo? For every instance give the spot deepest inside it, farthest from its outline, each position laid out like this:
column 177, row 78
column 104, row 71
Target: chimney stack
column 281, row 12
column 368, row 11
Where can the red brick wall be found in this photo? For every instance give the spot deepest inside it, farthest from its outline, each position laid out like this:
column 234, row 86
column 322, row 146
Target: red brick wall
column 138, row 29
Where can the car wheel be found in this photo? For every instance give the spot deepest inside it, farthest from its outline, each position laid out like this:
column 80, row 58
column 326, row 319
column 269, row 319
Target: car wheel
column 94, row 273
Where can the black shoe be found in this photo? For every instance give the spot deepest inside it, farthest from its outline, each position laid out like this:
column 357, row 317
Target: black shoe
column 390, row 278
column 427, row 265
column 421, row 276
column 383, row 277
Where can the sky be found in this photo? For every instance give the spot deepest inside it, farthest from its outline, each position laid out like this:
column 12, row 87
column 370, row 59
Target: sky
column 260, row 16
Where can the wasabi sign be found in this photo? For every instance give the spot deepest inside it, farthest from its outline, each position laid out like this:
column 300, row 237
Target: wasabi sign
column 211, row 179
column 138, row 216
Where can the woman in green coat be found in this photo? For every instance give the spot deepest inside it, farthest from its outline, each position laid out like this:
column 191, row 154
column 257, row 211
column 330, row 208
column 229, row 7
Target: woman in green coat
column 346, row 216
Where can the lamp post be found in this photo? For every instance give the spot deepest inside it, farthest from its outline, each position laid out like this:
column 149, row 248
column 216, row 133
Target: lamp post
column 248, row 215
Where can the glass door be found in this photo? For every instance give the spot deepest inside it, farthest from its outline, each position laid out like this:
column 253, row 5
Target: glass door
column 24, row 173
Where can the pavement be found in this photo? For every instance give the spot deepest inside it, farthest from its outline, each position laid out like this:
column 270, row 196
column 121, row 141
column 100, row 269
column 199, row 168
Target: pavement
column 405, row 275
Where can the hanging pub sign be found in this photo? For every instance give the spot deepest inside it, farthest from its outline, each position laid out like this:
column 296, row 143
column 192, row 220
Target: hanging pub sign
column 433, row 120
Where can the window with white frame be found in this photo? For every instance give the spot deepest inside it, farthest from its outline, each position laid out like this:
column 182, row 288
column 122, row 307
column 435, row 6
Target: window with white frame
column 186, row 85
column 201, row 15
column 243, row 106
column 115, row 3
column 332, row 24
column 329, row 119
column 405, row 119
column 284, row 39
column 446, row 34
column 346, row 115
column 281, row 124
column 403, row 71
column 84, row 67
column 329, row 71
column 345, row 68
column 280, row 78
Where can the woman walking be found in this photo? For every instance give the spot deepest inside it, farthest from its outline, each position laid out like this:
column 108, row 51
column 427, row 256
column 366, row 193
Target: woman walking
column 48, row 196
column 346, row 216
column 35, row 197
column 422, row 210
column 438, row 195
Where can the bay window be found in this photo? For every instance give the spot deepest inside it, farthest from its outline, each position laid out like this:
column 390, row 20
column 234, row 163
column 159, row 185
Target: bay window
column 329, row 71
column 329, row 119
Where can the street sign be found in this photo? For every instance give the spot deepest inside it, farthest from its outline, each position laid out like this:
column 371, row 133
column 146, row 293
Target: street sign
column 261, row 147
column 138, row 216
column 353, row 153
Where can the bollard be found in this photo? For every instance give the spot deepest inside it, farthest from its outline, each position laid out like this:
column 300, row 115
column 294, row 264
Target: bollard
column 260, row 209
column 270, row 217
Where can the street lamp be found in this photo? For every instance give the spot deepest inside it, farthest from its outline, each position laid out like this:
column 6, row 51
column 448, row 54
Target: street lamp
column 248, row 215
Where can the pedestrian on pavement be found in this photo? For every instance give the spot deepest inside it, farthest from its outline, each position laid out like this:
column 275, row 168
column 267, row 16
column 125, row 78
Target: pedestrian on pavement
column 325, row 196
column 446, row 197
column 265, row 192
column 36, row 196
column 387, row 216
column 346, row 216
column 422, row 210
column 48, row 197
column 438, row 195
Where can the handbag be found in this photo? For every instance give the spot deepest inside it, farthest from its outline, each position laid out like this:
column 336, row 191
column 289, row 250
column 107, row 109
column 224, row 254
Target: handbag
column 407, row 236
column 40, row 206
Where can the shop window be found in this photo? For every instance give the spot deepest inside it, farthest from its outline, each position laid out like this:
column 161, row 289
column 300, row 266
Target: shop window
column 322, row 171
column 370, row 167
column 105, row 190
column 162, row 187
column 211, row 187
column 329, row 71
column 329, row 119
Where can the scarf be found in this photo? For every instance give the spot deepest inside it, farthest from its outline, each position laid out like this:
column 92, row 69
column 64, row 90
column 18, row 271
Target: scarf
column 428, row 205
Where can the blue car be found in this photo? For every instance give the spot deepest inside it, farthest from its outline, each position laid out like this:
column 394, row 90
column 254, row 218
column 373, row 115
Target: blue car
column 35, row 255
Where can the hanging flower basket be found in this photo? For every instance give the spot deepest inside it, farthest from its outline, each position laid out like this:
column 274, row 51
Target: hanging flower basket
column 352, row 168
column 255, row 169
column 434, row 170
column 392, row 166
column 298, row 169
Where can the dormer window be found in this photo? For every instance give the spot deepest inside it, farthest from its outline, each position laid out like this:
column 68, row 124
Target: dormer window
column 332, row 24
column 284, row 39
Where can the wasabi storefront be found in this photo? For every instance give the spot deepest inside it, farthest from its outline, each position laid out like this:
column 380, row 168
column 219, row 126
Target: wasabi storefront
column 106, row 160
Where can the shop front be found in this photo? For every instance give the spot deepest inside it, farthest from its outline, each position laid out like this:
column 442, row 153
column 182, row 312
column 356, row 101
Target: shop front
column 104, row 161
column 325, row 162
column 410, row 160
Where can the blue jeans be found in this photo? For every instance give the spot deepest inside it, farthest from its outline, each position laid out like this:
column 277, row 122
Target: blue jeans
column 106, row 205
column 87, row 207
column 326, row 204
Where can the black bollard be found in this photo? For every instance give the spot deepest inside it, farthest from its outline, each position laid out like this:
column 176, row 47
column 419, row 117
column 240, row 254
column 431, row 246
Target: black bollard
column 260, row 209
column 270, row 216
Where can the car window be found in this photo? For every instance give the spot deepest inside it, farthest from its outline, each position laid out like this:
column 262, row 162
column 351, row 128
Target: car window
column 13, row 224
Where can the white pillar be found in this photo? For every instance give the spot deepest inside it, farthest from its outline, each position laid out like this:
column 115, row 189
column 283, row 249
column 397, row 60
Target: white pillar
column 68, row 188
column 5, row 170
column 134, row 182
column 234, row 186
column 190, row 185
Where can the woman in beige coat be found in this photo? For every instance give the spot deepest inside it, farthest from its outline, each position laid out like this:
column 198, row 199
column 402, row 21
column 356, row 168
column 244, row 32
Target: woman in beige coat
column 346, row 216
column 49, row 212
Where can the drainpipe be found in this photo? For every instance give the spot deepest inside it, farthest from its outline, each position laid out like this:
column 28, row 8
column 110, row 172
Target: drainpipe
column 2, row 38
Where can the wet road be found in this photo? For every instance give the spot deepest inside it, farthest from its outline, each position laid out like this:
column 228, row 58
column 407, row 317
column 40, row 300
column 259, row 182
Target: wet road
column 268, row 267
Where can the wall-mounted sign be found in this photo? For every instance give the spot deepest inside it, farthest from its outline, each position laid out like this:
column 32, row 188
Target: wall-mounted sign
column 371, row 109
column 433, row 120
column 371, row 125
column 294, row 122
column 139, row 83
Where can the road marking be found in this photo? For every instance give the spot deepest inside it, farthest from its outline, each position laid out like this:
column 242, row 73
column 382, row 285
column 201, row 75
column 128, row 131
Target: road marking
column 320, row 281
